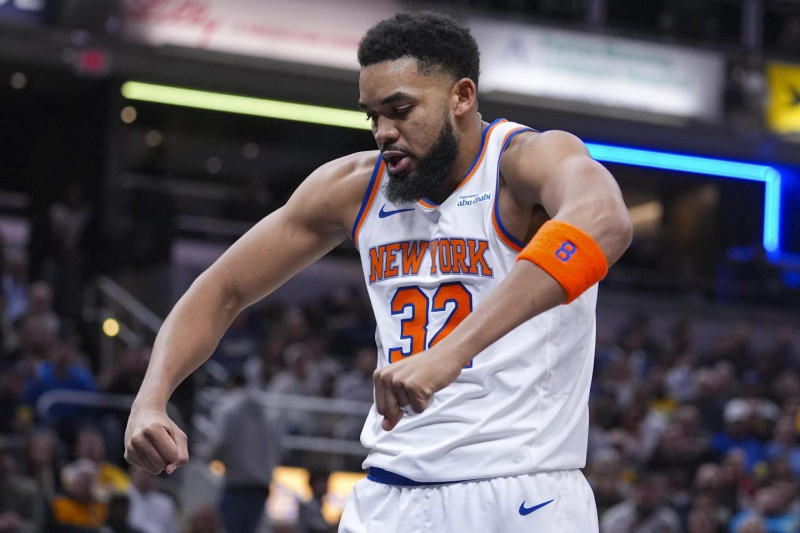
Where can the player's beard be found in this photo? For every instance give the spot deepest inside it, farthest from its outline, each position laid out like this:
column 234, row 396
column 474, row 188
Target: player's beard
column 432, row 171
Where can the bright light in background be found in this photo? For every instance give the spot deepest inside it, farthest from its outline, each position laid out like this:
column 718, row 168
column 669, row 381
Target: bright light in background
column 128, row 114
column 719, row 168
column 18, row 80
column 245, row 105
column 110, row 327
column 153, row 138
column 217, row 468
column 646, row 214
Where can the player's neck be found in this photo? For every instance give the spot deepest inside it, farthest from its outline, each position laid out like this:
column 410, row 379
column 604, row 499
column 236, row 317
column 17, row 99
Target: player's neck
column 469, row 140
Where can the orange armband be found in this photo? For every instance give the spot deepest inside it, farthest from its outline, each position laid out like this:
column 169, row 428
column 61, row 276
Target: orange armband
column 568, row 254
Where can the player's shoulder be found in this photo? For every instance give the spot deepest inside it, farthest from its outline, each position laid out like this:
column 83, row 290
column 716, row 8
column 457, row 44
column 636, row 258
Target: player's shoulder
column 544, row 143
column 348, row 171
column 335, row 190
column 532, row 154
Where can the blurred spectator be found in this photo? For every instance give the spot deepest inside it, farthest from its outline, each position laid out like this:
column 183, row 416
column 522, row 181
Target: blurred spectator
column 702, row 521
column 773, row 507
column 248, row 444
column 734, row 347
column 705, row 501
column 118, row 512
column 12, row 386
column 126, row 376
column 62, row 370
column 710, row 398
column 357, row 384
column 644, row 512
column 36, row 341
column 15, row 288
column 8, row 335
column 309, row 514
column 20, row 502
column 295, row 379
column 77, row 510
column 40, row 461
column 605, row 475
column 41, row 305
column 260, row 370
column 738, row 487
column 738, row 434
column 324, row 369
column 70, row 222
column 89, row 444
column 752, row 524
column 683, row 447
column 781, row 356
column 151, row 511
column 784, row 445
column 204, row 520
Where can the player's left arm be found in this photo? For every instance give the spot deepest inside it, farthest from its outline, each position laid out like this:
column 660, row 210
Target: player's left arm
column 553, row 170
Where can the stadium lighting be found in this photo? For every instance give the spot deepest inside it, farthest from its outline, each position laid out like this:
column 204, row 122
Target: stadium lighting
column 719, row 168
column 246, row 105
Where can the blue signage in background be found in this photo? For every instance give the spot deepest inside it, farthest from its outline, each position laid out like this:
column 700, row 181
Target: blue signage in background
column 31, row 11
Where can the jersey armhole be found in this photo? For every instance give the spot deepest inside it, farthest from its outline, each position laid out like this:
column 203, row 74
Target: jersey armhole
column 508, row 239
column 369, row 198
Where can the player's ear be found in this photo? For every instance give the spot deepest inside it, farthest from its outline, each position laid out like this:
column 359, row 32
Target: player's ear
column 464, row 96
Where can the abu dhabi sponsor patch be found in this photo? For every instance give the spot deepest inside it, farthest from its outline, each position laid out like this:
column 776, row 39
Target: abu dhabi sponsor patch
column 466, row 200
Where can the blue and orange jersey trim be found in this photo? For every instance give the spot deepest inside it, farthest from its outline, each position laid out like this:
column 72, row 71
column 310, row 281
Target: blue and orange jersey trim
column 369, row 197
column 505, row 235
column 430, row 204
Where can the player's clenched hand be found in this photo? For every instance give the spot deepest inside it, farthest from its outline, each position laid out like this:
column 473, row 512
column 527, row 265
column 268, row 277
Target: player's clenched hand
column 154, row 442
column 412, row 382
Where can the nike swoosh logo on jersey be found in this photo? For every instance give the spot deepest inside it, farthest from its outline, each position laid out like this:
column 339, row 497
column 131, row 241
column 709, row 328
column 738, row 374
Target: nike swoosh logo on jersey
column 528, row 510
column 383, row 214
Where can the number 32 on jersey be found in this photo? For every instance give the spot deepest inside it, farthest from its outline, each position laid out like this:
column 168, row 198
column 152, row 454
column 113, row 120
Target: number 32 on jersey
column 415, row 327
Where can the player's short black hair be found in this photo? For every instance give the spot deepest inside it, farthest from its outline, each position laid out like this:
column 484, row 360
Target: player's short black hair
column 437, row 41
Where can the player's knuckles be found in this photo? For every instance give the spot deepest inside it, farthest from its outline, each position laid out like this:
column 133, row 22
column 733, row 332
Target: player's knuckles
column 182, row 459
column 154, row 431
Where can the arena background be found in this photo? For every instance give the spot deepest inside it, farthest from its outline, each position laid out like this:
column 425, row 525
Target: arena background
column 140, row 138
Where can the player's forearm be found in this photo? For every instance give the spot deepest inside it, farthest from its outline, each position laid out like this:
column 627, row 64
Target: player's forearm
column 528, row 291
column 187, row 339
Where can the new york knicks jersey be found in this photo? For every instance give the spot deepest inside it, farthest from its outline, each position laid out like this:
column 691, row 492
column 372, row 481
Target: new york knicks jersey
column 521, row 405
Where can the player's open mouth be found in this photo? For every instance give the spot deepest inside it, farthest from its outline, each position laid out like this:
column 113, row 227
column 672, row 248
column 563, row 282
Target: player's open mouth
column 397, row 162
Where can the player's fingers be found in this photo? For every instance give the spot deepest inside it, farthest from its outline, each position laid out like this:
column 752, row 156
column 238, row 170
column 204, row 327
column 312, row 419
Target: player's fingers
column 419, row 402
column 401, row 394
column 376, row 378
column 388, row 424
column 145, row 455
column 163, row 440
column 391, row 409
column 183, row 452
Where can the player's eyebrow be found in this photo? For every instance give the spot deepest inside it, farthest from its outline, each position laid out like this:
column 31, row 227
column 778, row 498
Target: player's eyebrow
column 394, row 97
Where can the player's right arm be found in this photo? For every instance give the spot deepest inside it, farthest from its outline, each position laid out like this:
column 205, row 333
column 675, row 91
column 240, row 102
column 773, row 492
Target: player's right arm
column 317, row 217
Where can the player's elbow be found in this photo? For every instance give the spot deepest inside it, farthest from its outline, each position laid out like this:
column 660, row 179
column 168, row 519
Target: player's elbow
column 617, row 232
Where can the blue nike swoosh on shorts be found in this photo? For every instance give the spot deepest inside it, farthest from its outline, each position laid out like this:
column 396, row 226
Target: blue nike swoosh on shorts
column 528, row 510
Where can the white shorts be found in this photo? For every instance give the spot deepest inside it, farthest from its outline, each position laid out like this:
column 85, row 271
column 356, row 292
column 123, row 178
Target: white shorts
column 545, row 502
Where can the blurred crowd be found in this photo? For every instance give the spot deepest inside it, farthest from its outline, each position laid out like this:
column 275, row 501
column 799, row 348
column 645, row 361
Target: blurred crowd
column 687, row 434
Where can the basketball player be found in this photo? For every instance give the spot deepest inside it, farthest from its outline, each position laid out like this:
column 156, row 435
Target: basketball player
column 482, row 245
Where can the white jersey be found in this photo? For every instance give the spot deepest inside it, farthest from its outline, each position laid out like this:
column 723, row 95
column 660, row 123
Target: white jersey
column 521, row 405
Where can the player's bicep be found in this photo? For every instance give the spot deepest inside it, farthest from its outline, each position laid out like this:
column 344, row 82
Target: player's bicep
column 556, row 171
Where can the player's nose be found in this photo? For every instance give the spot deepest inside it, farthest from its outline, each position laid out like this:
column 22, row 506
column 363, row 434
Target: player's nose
column 385, row 131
